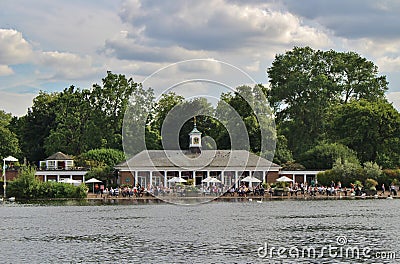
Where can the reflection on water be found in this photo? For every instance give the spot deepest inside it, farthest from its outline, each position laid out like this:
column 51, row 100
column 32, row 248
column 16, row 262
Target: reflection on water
column 218, row 232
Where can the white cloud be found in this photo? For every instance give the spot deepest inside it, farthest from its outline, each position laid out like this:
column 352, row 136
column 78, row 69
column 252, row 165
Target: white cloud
column 67, row 65
column 17, row 104
column 14, row 48
column 5, row 70
column 394, row 98
column 184, row 30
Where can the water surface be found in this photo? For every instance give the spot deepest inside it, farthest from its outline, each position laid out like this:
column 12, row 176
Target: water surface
column 217, row 232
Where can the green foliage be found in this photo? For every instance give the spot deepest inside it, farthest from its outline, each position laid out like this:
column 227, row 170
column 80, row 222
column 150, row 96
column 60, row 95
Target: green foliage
column 324, row 155
column 9, row 144
column 283, row 154
column 292, row 166
column 246, row 111
column 372, row 170
column 26, row 187
column 72, row 113
column 306, row 84
column 102, row 162
column 348, row 172
column 137, row 121
column 343, row 171
column 372, row 129
column 371, row 184
column 35, row 127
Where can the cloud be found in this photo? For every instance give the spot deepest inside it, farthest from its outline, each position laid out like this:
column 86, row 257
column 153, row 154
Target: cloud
column 14, row 49
column 389, row 64
column 17, row 104
column 352, row 19
column 5, row 70
column 67, row 65
column 394, row 98
column 171, row 31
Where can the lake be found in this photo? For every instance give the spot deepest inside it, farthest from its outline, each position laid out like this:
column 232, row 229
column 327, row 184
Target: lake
column 287, row 231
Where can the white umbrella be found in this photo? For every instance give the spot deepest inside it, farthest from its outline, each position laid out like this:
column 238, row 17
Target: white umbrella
column 284, row 179
column 250, row 179
column 208, row 179
column 93, row 180
column 214, row 180
column 176, row 179
column 71, row 181
column 10, row 158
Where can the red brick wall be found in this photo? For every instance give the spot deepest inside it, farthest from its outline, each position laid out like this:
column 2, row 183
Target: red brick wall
column 272, row 176
column 126, row 178
column 10, row 175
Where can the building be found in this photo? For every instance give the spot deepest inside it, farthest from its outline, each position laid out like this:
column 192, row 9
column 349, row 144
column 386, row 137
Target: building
column 302, row 176
column 156, row 168
column 60, row 167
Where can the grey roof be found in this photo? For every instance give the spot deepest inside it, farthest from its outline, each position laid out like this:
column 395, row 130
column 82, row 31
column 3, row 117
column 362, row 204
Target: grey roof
column 175, row 159
column 59, row 156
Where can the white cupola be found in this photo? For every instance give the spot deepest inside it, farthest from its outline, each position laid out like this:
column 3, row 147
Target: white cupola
column 195, row 139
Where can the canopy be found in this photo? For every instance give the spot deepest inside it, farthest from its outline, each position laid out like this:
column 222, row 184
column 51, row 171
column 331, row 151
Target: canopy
column 251, row 179
column 10, row 158
column 93, row 180
column 284, row 179
column 214, row 180
column 208, row 179
column 176, row 179
column 71, row 181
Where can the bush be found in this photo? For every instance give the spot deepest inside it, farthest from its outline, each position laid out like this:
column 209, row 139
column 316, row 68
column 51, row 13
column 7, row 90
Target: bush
column 323, row 156
column 370, row 184
column 26, row 187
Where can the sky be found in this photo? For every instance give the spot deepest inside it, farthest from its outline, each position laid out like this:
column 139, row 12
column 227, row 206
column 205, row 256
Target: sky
column 49, row 45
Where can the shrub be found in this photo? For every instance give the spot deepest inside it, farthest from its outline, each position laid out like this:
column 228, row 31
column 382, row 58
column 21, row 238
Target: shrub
column 26, row 187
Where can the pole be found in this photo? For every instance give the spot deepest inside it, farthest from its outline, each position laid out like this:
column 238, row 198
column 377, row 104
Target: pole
column 4, row 175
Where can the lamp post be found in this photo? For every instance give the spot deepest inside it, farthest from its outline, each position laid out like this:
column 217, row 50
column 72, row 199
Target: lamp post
column 12, row 159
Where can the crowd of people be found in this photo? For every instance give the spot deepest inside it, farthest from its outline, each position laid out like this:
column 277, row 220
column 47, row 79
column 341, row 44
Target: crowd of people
column 244, row 190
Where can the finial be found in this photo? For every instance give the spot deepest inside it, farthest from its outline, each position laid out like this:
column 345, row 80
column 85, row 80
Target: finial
column 194, row 118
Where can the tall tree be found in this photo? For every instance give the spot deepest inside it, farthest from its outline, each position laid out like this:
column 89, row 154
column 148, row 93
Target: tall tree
column 8, row 139
column 248, row 118
column 72, row 114
column 306, row 83
column 35, row 127
column 372, row 129
column 109, row 103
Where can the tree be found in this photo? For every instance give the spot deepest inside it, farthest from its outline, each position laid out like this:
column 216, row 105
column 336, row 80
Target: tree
column 35, row 127
column 324, row 155
column 108, row 105
column 164, row 105
column 282, row 152
column 343, row 171
column 72, row 113
column 137, row 121
column 102, row 162
column 248, row 120
column 372, row 129
column 306, row 83
column 8, row 140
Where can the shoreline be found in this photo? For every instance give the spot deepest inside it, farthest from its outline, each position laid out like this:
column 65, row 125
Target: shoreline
column 98, row 200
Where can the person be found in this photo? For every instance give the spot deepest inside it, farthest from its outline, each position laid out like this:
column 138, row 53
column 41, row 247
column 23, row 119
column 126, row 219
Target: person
column 383, row 189
column 393, row 190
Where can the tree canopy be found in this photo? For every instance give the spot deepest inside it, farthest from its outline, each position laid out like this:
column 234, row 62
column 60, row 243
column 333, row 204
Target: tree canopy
column 305, row 84
column 327, row 105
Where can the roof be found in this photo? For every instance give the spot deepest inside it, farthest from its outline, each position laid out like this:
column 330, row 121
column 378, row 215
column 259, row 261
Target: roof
column 59, row 156
column 207, row 159
column 195, row 131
